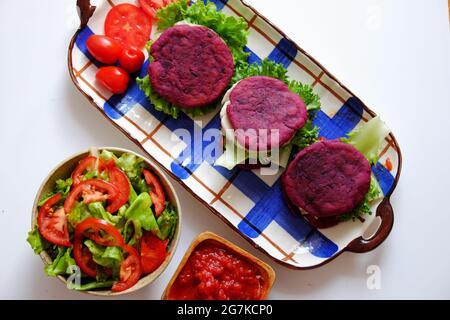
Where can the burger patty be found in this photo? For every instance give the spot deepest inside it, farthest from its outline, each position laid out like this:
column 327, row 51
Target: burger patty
column 328, row 178
column 262, row 105
column 191, row 66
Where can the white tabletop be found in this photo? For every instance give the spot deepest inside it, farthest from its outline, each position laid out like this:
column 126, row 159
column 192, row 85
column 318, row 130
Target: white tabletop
column 393, row 54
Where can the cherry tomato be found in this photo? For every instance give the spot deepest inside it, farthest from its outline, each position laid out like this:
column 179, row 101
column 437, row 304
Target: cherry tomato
column 157, row 193
column 104, row 48
column 52, row 223
column 88, row 163
column 118, row 178
column 91, row 185
column 153, row 252
column 150, row 7
column 130, row 270
column 131, row 59
column 114, row 79
column 129, row 25
column 99, row 231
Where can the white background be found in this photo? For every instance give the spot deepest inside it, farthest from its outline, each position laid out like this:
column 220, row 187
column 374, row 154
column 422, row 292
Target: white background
column 393, row 54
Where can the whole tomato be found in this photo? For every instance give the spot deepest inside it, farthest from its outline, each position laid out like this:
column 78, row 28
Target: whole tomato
column 114, row 79
column 131, row 59
column 104, row 48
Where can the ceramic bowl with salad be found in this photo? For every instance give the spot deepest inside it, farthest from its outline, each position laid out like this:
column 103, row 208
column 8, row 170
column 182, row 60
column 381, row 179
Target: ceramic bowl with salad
column 105, row 221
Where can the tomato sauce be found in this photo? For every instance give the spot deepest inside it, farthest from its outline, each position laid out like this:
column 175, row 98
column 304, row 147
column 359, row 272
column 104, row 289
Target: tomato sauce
column 214, row 272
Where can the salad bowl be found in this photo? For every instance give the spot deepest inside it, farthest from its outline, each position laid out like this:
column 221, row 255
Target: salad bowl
column 251, row 203
column 64, row 170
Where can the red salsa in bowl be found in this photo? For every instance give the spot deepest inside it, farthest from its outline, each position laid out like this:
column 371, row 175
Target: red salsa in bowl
column 216, row 271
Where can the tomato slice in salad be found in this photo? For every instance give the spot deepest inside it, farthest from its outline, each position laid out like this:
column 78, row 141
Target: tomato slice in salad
column 93, row 190
column 83, row 258
column 130, row 270
column 88, row 163
column 153, row 252
column 99, row 231
column 118, row 178
column 52, row 223
column 157, row 193
column 151, row 6
column 129, row 25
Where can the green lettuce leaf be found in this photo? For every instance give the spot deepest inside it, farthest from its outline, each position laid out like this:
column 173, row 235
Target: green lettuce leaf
column 90, row 285
column 106, row 155
column 61, row 263
column 133, row 194
column 368, row 138
column 305, row 91
column 171, row 14
column 132, row 232
column 78, row 213
column 108, row 257
column 98, row 211
column 61, row 186
column 131, row 165
column 140, row 210
column 167, row 107
column 37, row 243
column 304, row 137
column 265, row 68
column 167, row 222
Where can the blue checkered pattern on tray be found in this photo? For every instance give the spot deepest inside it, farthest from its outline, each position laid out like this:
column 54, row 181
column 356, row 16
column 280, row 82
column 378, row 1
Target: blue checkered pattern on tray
column 265, row 218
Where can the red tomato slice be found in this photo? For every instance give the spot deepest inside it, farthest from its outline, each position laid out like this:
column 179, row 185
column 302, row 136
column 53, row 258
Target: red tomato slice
column 157, row 193
column 130, row 270
column 88, row 163
column 52, row 223
column 83, row 258
column 129, row 25
column 88, row 186
column 151, row 6
column 118, row 178
column 99, row 231
column 153, row 252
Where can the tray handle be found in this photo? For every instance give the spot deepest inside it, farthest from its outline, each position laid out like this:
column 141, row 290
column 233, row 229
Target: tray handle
column 386, row 213
column 85, row 12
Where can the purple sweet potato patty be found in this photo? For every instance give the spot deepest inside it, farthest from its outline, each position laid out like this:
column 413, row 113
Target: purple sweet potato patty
column 191, row 66
column 328, row 178
column 261, row 104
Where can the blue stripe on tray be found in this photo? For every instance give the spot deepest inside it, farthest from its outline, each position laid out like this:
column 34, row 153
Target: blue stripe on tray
column 384, row 177
column 284, row 52
column 253, row 57
column 192, row 134
column 348, row 116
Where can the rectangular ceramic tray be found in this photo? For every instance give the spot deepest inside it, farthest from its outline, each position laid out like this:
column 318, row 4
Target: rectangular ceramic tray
column 249, row 202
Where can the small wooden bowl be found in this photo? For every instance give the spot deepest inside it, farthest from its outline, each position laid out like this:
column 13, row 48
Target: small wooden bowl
column 63, row 171
column 264, row 268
